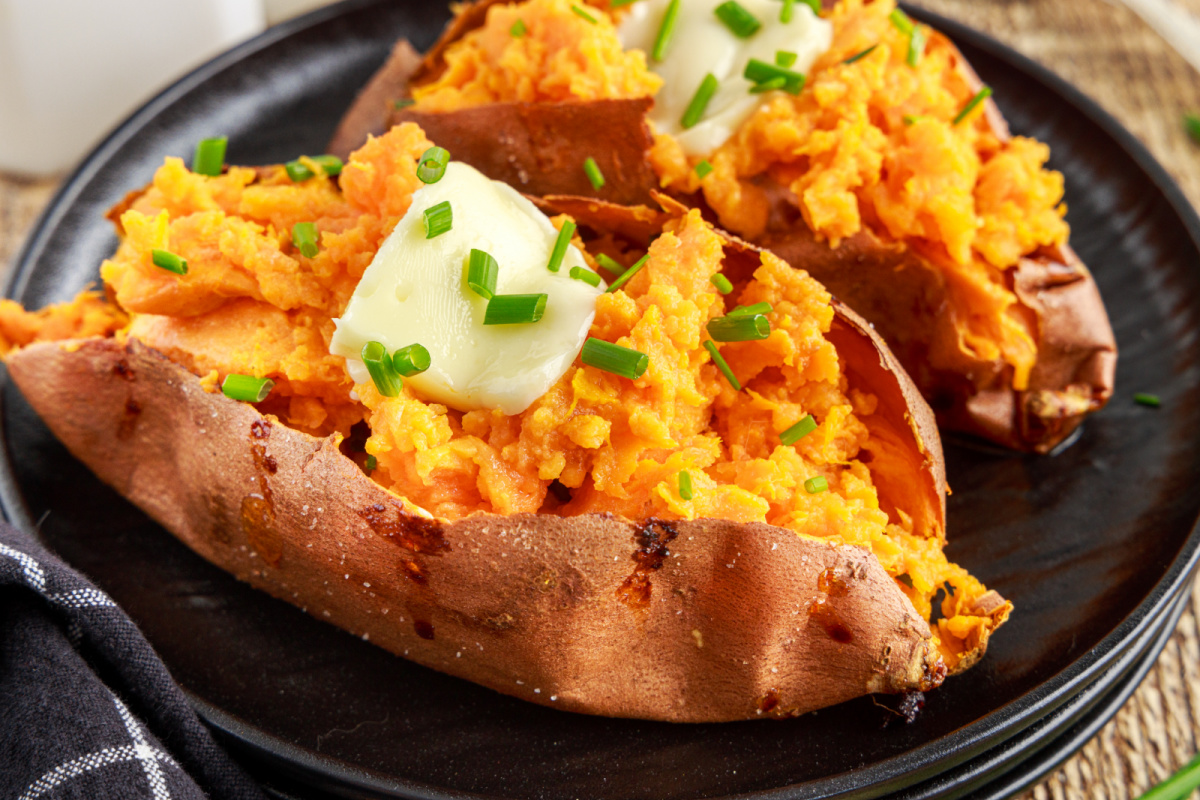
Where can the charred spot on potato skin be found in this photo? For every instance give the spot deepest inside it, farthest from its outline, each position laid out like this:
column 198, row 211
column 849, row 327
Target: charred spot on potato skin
column 424, row 628
column 413, row 571
column 499, row 622
column 407, row 530
column 123, row 371
column 260, row 429
column 652, row 538
column 128, row 423
column 934, row 675
column 770, row 705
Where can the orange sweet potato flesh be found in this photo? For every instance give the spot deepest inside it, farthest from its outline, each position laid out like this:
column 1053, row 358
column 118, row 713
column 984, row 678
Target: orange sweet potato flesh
column 897, row 288
column 683, row 621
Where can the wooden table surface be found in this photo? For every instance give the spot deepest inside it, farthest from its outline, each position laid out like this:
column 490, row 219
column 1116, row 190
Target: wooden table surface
column 1109, row 53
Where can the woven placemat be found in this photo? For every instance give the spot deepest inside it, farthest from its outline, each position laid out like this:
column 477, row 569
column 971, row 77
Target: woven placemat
column 1109, row 53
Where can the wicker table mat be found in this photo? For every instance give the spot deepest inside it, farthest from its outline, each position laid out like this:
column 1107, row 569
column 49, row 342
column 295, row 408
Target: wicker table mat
column 1109, row 53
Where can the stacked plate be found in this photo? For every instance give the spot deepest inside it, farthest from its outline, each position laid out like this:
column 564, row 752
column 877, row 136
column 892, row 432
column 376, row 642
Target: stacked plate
column 1095, row 545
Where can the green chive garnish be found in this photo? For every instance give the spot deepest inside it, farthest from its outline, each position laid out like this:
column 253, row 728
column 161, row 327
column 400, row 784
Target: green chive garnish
column 798, row 431
column 700, row 100
column 298, row 171
column 592, row 169
column 757, row 308
column 740, row 328
column 169, row 261
column 432, row 165
column 860, row 56
column 579, row 12
column 1191, row 124
column 665, row 31
column 769, row 86
column 560, row 246
column 304, row 236
column 916, row 46
column 438, row 219
column 585, row 275
column 629, row 273
column 623, row 361
column 740, row 21
column 789, row 10
column 482, row 271
column 703, row 169
column 210, row 156
column 518, row 29
column 784, row 59
column 1179, row 786
column 815, row 5
column 514, row 309
column 979, row 97
column 1152, row 400
column 685, row 485
column 721, row 282
column 760, row 72
column 619, row 3
column 816, row 485
column 404, row 103
column 913, row 119
column 372, row 462
column 383, row 374
column 610, row 265
column 411, row 360
column 901, row 21
column 711, row 347
column 246, row 388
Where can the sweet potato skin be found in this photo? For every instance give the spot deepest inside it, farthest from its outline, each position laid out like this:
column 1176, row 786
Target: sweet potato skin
column 681, row 621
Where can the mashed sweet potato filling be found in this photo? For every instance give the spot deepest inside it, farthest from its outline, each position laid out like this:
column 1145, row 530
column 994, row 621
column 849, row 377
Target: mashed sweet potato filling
column 869, row 145
column 595, row 442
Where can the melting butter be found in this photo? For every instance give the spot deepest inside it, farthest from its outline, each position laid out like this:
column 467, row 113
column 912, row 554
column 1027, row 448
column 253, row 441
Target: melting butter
column 415, row 290
column 703, row 44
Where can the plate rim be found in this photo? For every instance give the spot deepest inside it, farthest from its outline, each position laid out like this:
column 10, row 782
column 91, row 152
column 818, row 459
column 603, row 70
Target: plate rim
column 900, row 771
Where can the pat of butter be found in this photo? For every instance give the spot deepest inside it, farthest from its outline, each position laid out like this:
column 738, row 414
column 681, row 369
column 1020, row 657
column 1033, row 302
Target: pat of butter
column 415, row 291
column 702, row 44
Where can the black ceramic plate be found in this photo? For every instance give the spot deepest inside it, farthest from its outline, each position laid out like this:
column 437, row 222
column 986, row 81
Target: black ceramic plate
column 1093, row 544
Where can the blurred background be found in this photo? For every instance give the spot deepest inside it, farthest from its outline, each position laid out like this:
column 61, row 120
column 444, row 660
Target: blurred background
column 71, row 70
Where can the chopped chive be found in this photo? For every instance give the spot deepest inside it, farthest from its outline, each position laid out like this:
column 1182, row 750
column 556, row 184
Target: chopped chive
column 860, row 56
column 594, row 175
column 518, row 29
column 304, row 236
column 901, row 21
column 665, row 31
column 585, row 275
column 784, row 59
column 298, row 171
column 721, row 282
column 711, row 347
column 514, row 309
column 560, row 246
column 247, row 388
column 798, row 431
column 913, row 119
column 610, row 265
column 741, row 22
column 623, row 361
column 439, row 218
column 916, row 46
column 169, row 261
column 629, row 273
column 1178, row 786
column 372, row 463
column 700, row 100
column 815, row 5
column 979, row 97
column 769, row 86
column 210, row 156
column 482, row 271
column 740, row 328
column 1152, row 400
column 757, row 308
column 1191, row 124
column 703, row 169
column 403, row 103
column 411, row 360
column 383, row 374
column 619, row 3
column 579, row 12
column 432, row 165
column 760, row 72
column 788, row 11
column 685, row 485
column 816, row 485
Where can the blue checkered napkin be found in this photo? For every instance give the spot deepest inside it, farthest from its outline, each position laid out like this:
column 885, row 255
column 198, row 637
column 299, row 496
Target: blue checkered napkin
column 87, row 710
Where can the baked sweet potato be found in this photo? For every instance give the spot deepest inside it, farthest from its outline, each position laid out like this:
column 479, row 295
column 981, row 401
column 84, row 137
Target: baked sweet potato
column 1007, row 338
column 577, row 604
